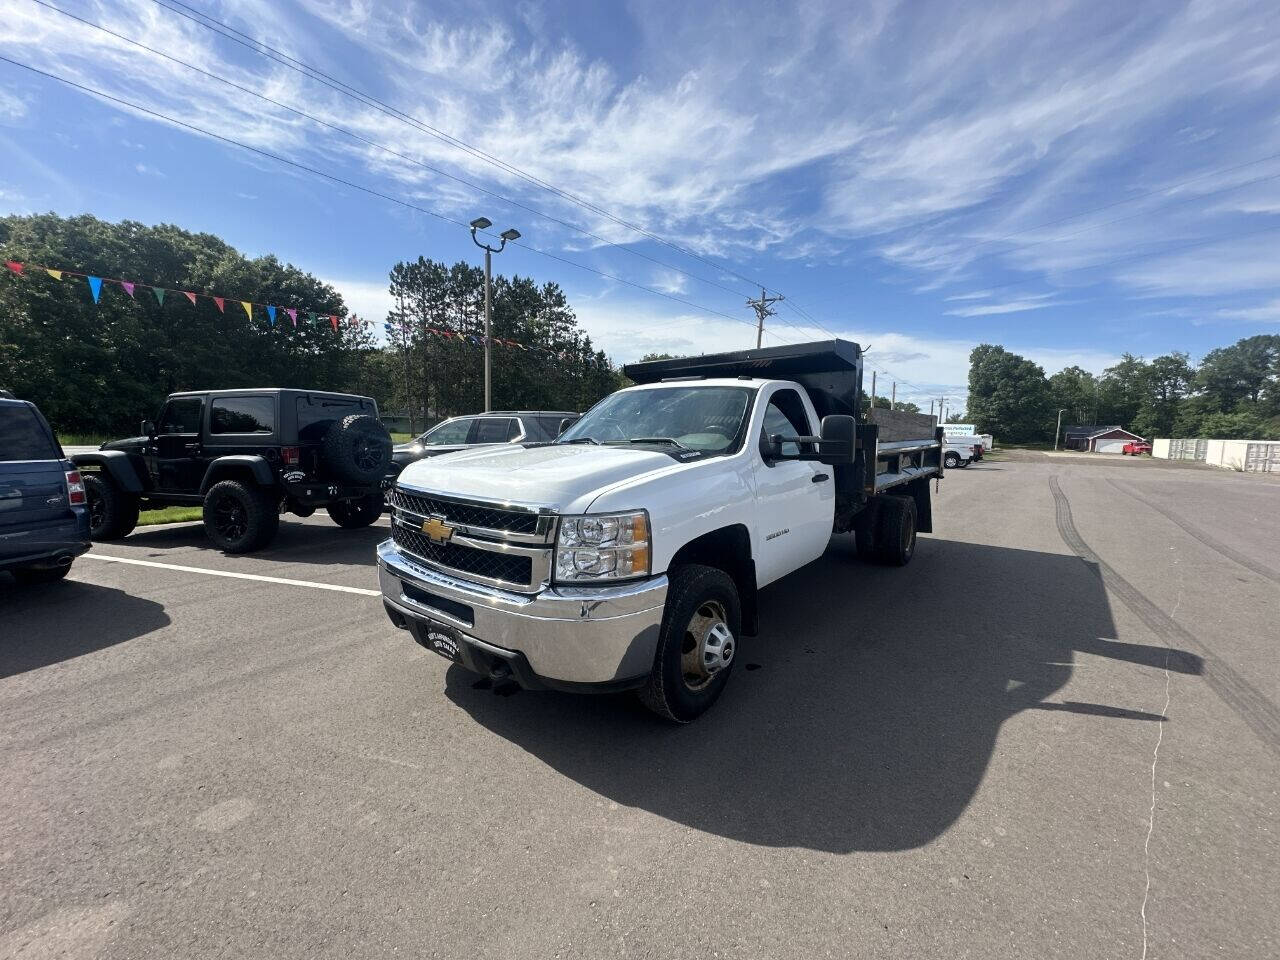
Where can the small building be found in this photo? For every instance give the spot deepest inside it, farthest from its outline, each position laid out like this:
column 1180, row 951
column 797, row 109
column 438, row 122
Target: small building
column 1097, row 439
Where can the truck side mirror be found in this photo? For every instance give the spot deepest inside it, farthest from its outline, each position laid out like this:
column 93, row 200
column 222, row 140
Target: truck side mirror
column 837, row 445
column 148, row 428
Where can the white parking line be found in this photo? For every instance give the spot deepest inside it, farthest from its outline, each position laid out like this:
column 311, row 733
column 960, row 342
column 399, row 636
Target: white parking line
column 237, row 576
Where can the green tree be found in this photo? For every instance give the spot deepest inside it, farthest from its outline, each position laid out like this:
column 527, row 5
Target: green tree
column 100, row 368
column 1122, row 390
column 1247, row 372
column 1074, row 390
column 1008, row 395
column 1168, row 383
column 541, row 359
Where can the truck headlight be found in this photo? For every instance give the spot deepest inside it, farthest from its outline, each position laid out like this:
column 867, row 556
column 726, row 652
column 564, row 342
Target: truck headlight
column 606, row 546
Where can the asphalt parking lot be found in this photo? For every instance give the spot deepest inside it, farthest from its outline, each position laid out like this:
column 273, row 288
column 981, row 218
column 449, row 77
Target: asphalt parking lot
column 1055, row 734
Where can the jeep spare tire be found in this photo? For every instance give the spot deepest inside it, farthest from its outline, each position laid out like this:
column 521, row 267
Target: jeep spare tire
column 357, row 449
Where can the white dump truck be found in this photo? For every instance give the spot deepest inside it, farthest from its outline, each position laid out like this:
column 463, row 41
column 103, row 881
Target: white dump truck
column 631, row 551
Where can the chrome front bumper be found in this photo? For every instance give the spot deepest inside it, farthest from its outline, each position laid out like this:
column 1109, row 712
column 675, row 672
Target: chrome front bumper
column 569, row 635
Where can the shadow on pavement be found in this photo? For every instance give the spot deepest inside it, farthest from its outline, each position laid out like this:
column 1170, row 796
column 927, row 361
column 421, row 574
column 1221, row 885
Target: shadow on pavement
column 295, row 542
column 48, row 623
column 868, row 708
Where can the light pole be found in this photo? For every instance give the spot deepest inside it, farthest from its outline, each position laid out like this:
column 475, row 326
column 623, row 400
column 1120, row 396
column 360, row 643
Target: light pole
column 1058, row 427
column 484, row 223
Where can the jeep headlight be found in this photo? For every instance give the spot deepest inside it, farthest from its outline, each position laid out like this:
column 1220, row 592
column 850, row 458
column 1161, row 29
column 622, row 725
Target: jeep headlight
column 605, row 546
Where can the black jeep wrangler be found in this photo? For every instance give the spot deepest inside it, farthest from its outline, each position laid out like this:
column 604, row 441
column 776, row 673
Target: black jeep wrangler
column 247, row 456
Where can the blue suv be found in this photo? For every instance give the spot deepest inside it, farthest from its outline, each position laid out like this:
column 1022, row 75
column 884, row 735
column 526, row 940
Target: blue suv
column 44, row 514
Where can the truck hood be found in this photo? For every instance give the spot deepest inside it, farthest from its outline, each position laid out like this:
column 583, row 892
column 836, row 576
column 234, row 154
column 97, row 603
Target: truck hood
column 552, row 476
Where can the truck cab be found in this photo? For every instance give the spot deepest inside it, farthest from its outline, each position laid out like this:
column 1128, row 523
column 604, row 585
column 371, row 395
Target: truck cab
column 630, row 551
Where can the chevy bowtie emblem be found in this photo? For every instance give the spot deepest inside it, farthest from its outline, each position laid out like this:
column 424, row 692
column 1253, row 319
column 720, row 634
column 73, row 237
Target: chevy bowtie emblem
column 437, row 530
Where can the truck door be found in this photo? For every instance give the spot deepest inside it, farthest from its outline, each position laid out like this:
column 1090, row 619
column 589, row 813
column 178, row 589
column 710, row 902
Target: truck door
column 795, row 498
column 176, row 460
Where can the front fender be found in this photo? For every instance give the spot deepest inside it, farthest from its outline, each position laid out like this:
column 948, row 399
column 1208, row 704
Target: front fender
column 126, row 469
column 221, row 468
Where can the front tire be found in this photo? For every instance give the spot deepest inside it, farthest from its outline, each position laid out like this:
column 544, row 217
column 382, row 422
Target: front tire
column 353, row 514
column 952, row 460
column 239, row 518
column 112, row 513
column 697, row 644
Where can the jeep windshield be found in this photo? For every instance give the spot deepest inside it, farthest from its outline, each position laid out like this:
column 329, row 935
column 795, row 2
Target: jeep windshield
column 710, row 420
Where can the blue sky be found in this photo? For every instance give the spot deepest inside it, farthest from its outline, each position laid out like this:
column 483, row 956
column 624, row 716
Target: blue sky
column 1072, row 180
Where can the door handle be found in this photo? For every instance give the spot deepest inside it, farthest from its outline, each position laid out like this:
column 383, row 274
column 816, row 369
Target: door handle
column 819, row 478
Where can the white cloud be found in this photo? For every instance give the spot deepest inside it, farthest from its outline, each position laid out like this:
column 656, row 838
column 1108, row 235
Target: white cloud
column 370, row 300
column 148, row 171
column 12, row 107
column 1020, row 305
column 938, row 137
column 1262, row 313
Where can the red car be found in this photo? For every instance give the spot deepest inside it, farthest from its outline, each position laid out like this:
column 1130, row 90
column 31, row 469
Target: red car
column 1136, row 447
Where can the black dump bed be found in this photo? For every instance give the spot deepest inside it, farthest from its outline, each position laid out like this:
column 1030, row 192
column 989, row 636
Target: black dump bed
column 830, row 370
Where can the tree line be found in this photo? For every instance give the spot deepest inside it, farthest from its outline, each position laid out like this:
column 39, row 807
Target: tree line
column 1234, row 393
column 101, row 368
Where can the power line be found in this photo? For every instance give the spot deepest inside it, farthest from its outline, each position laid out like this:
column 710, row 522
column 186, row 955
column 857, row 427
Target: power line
column 360, row 187
column 388, row 150
column 265, row 50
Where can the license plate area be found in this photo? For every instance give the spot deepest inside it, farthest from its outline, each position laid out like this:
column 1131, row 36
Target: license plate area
column 441, row 639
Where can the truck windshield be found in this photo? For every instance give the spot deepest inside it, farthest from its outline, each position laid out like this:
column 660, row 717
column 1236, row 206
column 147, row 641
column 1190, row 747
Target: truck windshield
column 703, row 418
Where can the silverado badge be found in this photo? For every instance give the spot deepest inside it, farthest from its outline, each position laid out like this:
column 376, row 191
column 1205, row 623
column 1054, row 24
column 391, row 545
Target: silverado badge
column 437, row 530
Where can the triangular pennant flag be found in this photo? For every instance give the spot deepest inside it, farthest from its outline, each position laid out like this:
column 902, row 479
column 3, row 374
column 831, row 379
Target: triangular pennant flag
column 56, row 274
column 271, row 315
column 95, row 287
column 127, row 287
column 221, row 304
column 248, row 308
column 334, row 322
column 189, row 295
column 159, row 292
column 293, row 315
column 15, row 266
column 354, row 320
column 311, row 316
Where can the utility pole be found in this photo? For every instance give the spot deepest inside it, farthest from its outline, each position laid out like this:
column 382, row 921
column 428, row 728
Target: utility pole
column 762, row 309
column 931, row 408
column 873, row 389
column 404, row 354
column 893, row 396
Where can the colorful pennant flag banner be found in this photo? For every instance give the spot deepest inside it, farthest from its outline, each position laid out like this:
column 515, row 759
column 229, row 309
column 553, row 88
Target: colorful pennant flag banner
column 18, row 268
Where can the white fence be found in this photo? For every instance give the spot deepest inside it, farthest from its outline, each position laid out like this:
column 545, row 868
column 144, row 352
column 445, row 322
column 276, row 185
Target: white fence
column 1261, row 456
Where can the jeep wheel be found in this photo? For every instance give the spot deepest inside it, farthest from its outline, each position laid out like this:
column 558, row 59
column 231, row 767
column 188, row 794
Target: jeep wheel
column 357, row 449
column 239, row 518
column 112, row 512
column 353, row 514
column 697, row 644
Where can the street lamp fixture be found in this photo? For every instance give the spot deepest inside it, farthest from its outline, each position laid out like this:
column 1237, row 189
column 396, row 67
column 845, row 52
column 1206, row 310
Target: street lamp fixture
column 484, row 223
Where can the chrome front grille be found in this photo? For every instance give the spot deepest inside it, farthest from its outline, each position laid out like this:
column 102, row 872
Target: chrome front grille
column 500, row 545
column 465, row 514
